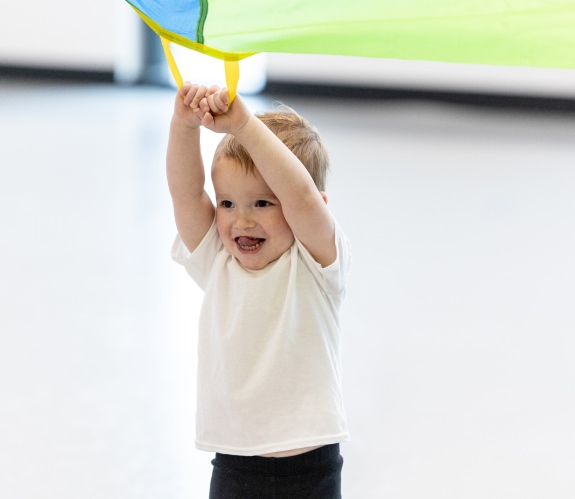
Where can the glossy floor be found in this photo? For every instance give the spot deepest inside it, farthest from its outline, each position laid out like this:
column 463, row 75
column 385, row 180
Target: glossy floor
column 459, row 321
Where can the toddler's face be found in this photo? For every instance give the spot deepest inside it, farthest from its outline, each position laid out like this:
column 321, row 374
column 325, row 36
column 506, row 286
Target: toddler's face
column 249, row 217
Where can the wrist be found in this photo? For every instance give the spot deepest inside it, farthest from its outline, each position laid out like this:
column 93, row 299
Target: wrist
column 245, row 128
column 183, row 125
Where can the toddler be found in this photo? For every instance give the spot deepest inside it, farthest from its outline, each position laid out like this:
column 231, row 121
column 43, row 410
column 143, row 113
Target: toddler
column 273, row 264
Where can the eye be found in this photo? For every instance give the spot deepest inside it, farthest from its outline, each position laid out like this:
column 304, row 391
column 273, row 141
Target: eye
column 261, row 203
column 226, row 204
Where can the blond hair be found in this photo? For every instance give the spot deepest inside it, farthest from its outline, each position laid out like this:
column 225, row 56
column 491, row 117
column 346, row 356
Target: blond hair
column 298, row 134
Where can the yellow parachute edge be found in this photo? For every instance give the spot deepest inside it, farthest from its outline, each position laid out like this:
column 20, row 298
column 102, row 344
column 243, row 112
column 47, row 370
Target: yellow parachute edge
column 231, row 59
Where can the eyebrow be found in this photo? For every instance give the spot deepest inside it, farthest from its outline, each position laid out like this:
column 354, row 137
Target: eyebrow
column 268, row 195
column 257, row 195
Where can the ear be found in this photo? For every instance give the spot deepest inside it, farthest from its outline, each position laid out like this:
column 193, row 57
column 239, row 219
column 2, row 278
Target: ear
column 324, row 196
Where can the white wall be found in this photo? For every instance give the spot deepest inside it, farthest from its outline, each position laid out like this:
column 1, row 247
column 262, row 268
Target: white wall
column 68, row 34
column 374, row 73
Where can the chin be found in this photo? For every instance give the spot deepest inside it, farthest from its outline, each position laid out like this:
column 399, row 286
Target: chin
column 253, row 265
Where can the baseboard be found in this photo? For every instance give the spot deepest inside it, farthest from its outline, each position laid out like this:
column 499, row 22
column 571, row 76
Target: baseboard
column 41, row 73
column 467, row 98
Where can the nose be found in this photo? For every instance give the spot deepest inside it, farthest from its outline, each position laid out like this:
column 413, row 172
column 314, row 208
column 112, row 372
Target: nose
column 244, row 220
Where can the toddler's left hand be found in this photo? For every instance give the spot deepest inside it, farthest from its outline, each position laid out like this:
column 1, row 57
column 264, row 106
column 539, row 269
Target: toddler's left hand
column 218, row 115
column 214, row 102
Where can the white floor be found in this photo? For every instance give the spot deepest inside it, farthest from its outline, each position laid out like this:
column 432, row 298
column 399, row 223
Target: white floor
column 459, row 323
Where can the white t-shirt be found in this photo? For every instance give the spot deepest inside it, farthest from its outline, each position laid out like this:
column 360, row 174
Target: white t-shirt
column 269, row 368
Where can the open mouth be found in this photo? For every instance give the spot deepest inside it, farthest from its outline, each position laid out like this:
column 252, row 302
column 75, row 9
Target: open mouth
column 249, row 243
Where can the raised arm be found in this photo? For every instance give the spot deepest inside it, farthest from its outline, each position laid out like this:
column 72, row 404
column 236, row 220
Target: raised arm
column 193, row 209
column 303, row 206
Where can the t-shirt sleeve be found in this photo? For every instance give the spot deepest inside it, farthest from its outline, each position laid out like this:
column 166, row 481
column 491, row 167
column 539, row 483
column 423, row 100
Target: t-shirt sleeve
column 198, row 262
column 332, row 278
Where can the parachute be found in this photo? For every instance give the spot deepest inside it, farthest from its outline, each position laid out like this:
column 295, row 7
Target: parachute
column 537, row 33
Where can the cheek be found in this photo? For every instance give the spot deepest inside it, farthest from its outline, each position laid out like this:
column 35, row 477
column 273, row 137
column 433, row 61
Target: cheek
column 283, row 230
column 222, row 223
column 274, row 221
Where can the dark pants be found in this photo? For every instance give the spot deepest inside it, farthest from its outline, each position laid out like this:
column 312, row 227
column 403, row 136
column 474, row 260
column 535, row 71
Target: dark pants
column 314, row 475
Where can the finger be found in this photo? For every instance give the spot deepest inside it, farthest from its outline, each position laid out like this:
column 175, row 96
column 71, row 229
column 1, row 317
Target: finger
column 219, row 102
column 216, row 103
column 225, row 96
column 198, row 113
column 190, row 92
column 205, row 105
column 200, row 94
column 183, row 90
column 207, row 119
column 212, row 90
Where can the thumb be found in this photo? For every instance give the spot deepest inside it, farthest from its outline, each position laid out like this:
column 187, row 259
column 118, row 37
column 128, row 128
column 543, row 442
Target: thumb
column 225, row 96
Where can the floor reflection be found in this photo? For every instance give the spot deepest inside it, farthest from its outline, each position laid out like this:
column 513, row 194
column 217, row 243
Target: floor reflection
column 458, row 324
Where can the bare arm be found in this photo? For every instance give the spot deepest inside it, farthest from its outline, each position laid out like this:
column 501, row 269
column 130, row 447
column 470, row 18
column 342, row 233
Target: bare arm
column 303, row 206
column 193, row 209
